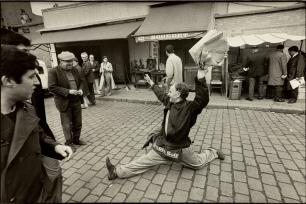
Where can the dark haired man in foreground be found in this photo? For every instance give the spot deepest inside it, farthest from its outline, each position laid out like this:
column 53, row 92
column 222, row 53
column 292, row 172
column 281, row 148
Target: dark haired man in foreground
column 23, row 141
column 172, row 143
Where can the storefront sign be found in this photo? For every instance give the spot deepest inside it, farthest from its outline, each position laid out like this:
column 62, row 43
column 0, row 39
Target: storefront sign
column 170, row 36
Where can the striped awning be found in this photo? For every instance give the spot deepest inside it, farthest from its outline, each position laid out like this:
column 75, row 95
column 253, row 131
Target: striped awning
column 257, row 39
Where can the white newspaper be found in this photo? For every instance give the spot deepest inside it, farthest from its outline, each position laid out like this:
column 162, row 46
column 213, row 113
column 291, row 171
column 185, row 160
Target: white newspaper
column 297, row 82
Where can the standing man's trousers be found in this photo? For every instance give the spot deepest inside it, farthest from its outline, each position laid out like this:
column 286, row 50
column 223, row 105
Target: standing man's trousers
column 261, row 86
column 145, row 162
column 71, row 121
column 96, row 86
column 91, row 96
column 52, row 187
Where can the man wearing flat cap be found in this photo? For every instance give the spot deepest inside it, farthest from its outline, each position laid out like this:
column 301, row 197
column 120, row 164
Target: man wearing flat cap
column 66, row 85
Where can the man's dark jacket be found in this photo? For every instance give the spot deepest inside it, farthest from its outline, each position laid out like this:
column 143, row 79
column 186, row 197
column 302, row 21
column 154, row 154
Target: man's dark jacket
column 89, row 74
column 295, row 68
column 258, row 64
column 59, row 86
column 183, row 116
column 22, row 173
column 39, row 105
column 96, row 67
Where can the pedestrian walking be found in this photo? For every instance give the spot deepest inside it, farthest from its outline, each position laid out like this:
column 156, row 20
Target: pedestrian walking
column 106, row 70
column 90, row 78
column 295, row 70
column 66, row 85
column 257, row 70
column 52, row 185
column 85, row 89
column 95, row 70
column 171, row 142
column 174, row 67
column 277, row 72
column 23, row 141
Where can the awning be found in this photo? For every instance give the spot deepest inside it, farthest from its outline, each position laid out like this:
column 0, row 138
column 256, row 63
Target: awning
column 256, row 39
column 179, row 21
column 101, row 32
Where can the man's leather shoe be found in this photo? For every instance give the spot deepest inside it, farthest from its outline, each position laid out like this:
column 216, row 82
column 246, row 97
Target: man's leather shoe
column 259, row 97
column 111, row 170
column 220, row 154
column 249, row 99
column 292, row 100
column 279, row 100
column 79, row 142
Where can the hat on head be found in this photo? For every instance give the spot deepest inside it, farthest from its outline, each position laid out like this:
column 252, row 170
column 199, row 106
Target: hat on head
column 66, row 56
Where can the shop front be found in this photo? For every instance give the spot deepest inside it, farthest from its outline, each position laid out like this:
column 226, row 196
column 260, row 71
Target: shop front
column 180, row 24
column 109, row 39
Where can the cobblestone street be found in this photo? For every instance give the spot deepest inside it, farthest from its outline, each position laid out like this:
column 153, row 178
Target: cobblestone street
column 265, row 156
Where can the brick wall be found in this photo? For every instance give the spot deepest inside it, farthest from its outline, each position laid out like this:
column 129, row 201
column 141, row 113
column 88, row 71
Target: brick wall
column 290, row 22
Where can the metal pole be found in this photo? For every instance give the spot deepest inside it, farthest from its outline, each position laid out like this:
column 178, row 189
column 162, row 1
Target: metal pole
column 301, row 45
column 226, row 74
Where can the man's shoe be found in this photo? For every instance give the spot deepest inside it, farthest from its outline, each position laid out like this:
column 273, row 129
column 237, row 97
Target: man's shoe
column 220, row 154
column 259, row 97
column 279, row 100
column 249, row 99
column 111, row 170
column 292, row 100
column 79, row 142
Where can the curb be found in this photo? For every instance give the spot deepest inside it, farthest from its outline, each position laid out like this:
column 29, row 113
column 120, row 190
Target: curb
column 212, row 106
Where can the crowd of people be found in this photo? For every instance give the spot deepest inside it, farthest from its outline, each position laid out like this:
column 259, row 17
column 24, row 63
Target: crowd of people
column 30, row 154
column 274, row 71
column 30, row 170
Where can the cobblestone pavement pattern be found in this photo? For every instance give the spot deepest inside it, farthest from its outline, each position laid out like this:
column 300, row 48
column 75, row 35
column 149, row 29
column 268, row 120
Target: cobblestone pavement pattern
column 265, row 157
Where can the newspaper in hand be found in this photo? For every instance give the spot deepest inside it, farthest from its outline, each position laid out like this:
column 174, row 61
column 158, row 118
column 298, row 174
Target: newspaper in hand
column 297, row 82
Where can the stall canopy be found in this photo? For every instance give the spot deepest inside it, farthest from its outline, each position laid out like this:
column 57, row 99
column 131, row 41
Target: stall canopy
column 217, row 42
column 257, row 39
column 101, row 32
column 181, row 21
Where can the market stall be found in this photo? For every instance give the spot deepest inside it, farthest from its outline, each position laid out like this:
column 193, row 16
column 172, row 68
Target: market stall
column 217, row 43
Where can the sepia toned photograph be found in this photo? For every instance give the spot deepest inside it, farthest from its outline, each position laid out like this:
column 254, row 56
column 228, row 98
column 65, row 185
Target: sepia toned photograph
column 153, row 101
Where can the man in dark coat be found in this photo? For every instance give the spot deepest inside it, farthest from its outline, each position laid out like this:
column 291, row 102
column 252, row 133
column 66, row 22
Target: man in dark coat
column 277, row 72
column 23, row 141
column 295, row 70
column 66, row 85
column 53, row 185
column 95, row 69
column 172, row 142
column 90, row 77
column 256, row 66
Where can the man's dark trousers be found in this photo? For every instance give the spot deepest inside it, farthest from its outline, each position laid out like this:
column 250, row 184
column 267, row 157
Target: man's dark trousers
column 71, row 121
column 91, row 96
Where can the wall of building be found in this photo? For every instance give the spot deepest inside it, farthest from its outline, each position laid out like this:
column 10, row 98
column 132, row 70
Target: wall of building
column 290, row 22
column 252, row 6
column 89, row 13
